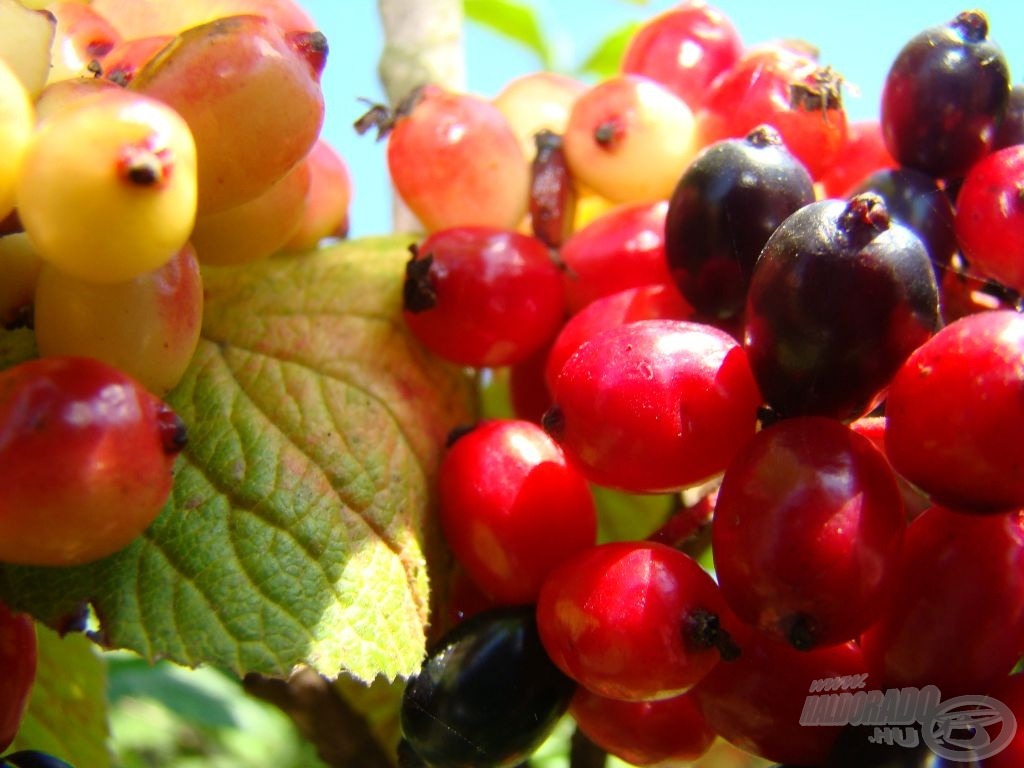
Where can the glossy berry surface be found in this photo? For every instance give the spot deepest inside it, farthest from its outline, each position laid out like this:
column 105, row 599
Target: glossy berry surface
column 647, row 302
column 990, row 217
column 18, row 660
column 954, row 414
column 684, row 49
column 728, row 202
column 839, row 298
column 643, row 732
column 654, row 405
column 512, row 507
column 960, row 584
column 944, row 97
column 444, row 154
column 486, row 696
column 85, row 460
column 599, row 633
column 756, row 701
column 623, row 248
column 482, row 296
column 915, row 200
column 783, row 87
column 807, row 531
column 629, row 138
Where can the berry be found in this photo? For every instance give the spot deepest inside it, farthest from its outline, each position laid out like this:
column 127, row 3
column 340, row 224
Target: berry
column 863, row 153
column 121, row 209
column 915, row 200
column 85, row 460
column 728, row 202
column 643, row 732
column 839, row 298
column 18, row 659
column 684, row 49
column 654, row 405
column 756, row 701
column 629, row 138
column 482, row 296
column 445, row 150
column 785, row 88
column 229, row 79
column 944, row 97
column 598, row 632
column 954, row 414
column 959, row 584
column 807, row 531
column 990, row 217
column 622, row 248
column 487, row 694
column 512, row 507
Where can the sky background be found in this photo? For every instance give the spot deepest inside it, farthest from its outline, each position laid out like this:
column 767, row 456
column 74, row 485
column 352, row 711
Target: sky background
column 859, row 39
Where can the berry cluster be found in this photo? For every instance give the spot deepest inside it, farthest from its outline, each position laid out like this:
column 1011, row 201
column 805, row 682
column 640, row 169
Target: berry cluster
column 704, row 282
column 141, row 142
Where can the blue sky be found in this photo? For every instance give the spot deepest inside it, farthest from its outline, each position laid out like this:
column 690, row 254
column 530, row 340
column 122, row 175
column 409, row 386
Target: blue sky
column 859, row 39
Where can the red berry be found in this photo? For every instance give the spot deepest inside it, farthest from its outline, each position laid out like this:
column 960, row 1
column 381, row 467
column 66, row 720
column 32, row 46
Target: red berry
column 18, row 656
column 624, row 248
column 483, row 297
column 756, row 701
column 512, row 507
column 989, row 218
column 955, row 414
column 643, row 732
column 959, row 586
column 807, row 531
column 684, row 49
column 633, row 620
column 85, row 460
column 655, row 405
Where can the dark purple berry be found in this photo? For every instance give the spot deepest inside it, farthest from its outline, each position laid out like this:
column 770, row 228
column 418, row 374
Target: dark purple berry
column 945, row 96
column 726, row 205
column 840, row 296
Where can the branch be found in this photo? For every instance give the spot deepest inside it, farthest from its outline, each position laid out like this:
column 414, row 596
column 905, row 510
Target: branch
column 422, row 44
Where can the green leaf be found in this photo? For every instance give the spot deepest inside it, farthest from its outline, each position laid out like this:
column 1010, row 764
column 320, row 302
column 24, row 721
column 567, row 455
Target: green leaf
column 627, row 516
column 515, row 21
column 67, row 709
column 299, row 527
column 606, row 58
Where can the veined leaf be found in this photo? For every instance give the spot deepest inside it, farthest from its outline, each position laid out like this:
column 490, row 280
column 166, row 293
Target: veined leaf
column 516, row 21
column 299, row 525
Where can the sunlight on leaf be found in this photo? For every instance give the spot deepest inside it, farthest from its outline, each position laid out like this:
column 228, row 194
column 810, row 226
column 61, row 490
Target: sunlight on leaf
column 606, row 58
column 515, row 21
column 299, row 529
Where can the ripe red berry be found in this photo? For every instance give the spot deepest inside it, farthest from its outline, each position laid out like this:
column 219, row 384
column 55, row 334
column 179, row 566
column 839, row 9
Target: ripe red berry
column 807, row 531
column 959, row 586
column 684, row 49
column 643, row 732
column 955, row 414
column 989, row 219
column 633, row 620
column 85, row 460
column 655, row 405
column 512, row 507
column 481, row 296
column 18, row 658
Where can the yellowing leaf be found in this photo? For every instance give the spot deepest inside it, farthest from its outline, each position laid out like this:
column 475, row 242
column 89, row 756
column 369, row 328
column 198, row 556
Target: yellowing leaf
column 299, row 523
